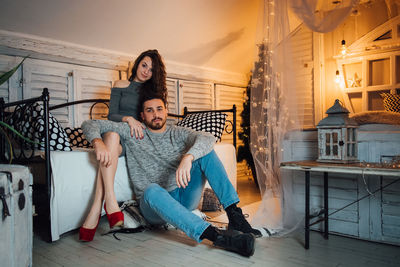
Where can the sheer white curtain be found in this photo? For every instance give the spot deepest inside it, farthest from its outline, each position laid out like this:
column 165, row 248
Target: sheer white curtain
column 322, row 15
column 274, row 107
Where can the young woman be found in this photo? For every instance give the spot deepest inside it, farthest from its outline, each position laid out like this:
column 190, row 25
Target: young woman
column 148, row 73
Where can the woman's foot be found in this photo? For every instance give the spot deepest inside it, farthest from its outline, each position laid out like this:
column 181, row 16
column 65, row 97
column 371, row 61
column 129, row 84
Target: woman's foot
column 87, row 234
column 115, row 218
column 92, row 218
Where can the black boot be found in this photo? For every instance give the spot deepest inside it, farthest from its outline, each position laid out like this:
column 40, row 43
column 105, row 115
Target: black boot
column 235, row 241
column 238, row 222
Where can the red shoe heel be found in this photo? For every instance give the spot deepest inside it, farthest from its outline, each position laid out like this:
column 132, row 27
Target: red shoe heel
column 115, row 218
column 86, row 234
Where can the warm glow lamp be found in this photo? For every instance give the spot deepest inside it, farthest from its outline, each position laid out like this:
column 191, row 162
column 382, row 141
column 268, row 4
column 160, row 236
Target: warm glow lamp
column 343, row 49
column 337, row 77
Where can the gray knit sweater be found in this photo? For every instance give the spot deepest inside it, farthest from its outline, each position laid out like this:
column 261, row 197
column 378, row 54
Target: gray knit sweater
column 155, row 158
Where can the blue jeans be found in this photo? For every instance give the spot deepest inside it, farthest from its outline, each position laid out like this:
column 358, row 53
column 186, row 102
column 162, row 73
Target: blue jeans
column 159, row 206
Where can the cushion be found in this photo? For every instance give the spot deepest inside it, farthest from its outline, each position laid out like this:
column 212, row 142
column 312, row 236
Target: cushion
column 212, row 122
column 391, row 102
column 30, row 123
column 77, row 138
column 377, row 117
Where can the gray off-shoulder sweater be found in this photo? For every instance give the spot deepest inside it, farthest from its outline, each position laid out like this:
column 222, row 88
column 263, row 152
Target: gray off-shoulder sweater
column 155, row 158
column 124, row 102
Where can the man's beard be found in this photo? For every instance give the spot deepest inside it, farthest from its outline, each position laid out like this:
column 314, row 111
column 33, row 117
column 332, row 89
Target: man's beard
column 155, row 126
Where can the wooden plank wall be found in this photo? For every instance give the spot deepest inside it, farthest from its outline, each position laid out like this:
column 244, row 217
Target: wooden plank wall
column 301, row 43
column 69, row 82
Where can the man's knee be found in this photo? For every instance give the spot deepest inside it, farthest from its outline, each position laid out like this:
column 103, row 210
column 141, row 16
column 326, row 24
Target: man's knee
column 212, row 156
column 209, row 158
column 151, row 191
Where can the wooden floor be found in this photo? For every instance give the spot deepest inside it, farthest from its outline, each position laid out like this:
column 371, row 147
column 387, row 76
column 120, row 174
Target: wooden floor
column 173, row 248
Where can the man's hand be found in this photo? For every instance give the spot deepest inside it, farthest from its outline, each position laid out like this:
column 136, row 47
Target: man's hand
column 183, row 172
column 103, row 155
column 135, row 125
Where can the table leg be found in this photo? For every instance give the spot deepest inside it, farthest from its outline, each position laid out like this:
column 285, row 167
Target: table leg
column 307, row 222
column 326, row 228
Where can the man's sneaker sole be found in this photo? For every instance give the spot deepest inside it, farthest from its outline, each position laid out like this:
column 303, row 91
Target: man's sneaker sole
column 251, row 243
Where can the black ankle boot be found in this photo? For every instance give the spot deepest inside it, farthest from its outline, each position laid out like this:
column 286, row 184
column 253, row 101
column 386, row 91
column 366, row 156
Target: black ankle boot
column 235, row 241
column 238, row 222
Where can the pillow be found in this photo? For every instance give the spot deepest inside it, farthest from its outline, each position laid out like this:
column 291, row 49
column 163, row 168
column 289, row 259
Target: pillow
column 377, row 117
column 28, row 120
column 77, row 138
column 212, row 122
column 391, row 102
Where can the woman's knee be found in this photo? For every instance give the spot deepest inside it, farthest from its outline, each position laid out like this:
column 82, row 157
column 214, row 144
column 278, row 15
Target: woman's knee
column 111, row 137
column 112, row 141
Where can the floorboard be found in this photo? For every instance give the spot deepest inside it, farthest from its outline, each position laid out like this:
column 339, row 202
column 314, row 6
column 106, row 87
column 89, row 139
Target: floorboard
column 173, row 248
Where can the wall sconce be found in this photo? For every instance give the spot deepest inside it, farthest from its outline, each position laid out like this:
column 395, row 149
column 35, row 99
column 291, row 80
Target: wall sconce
column 343, row 49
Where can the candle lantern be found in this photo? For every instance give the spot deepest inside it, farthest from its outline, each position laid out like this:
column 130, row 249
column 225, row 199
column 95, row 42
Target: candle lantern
column 337, row 136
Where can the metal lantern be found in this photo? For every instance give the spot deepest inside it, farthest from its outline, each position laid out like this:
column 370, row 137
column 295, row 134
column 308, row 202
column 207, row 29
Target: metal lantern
column 337, row 136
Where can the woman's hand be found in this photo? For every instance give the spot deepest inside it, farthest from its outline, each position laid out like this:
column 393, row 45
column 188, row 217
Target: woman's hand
column 182, row 175
column 103, row 155
column 135, row 125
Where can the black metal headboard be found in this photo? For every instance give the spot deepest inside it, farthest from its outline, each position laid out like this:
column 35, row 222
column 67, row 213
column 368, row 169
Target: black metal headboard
column 230, row 125
column 95, row 101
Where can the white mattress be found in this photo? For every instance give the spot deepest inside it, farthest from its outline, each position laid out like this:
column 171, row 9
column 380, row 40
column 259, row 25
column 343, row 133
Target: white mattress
column 73, row 183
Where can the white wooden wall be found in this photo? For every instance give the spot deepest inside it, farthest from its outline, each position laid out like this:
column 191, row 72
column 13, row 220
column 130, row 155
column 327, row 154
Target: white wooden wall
column 173, row 98
column 196, row 95
column 66, row 83
column 11, row 89
column 69, row 82
column 301, row 43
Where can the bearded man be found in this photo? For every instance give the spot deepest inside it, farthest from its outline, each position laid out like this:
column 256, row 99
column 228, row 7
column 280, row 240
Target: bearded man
column 168, row 168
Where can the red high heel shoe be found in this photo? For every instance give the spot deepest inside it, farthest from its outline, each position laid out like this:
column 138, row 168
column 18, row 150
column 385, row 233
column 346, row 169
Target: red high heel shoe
column 86, row 234
column 115, row 218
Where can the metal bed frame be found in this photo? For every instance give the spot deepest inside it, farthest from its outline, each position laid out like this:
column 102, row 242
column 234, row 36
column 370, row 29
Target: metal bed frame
column 230, row 128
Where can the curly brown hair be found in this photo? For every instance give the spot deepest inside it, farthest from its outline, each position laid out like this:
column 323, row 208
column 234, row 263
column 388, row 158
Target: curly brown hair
column 157, row 82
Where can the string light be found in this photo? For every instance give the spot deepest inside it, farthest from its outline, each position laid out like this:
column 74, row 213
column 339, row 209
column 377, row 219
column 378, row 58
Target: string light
column 343, row 49
column 337, row 78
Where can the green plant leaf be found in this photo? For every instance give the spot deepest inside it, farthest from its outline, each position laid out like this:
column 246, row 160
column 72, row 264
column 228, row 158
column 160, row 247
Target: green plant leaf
column 2, row 123
column 4, row 77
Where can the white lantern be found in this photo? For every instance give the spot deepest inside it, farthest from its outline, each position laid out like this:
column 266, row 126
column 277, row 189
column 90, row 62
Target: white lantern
column 337, row 136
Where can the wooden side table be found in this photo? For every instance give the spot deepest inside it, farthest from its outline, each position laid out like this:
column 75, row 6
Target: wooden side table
column 314, row 166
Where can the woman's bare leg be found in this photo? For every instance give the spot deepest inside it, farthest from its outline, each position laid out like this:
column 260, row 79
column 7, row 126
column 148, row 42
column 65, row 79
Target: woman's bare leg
column 94, row 213
column 111, row 139
column 105, row 183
